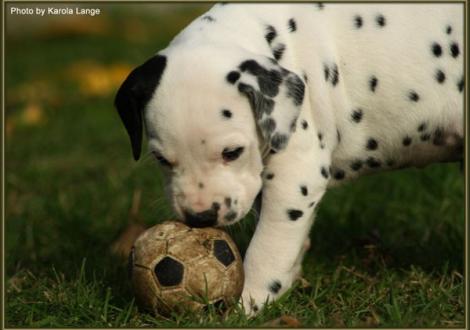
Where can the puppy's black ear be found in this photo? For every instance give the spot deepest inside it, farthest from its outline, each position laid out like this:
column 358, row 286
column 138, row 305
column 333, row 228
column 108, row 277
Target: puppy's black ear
column 134, row 94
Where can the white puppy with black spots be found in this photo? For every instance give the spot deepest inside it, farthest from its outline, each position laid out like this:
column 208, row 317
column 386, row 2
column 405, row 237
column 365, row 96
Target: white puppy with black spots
column 290, row 100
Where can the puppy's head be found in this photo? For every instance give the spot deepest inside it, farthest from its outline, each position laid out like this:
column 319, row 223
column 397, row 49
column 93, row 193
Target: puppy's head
column 207, row 113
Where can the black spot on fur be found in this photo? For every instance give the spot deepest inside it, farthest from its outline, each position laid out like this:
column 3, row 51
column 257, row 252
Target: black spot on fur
column 278, row 141
column 292, row 25
column 320, row 5
column 390, row 162
column 294, row 214
column 208, row 18
column 372, row 144
column 233, row 76
column 271, row 34
column 326, row 71
column 338, row 136
column 293, row 125
column 304, row 190
column 440, row 76
column 358, row 21
column 311, row 204
column 422, row 127
column 373, row 162
column 425, row 137
column 438, row 137
column 227, row 113
column 460, row 84
column 324, row 172
column 305, row 77
column 380, row 19
column 258, row 102
column 449, row 29
column 335, row 75
column 304, row 124
column 356, row 165
column 269, row 176
column 320, row 136
column 228, row 202
column 255, row 308
column 268, row 125
column 278, row 51
column 406, row 141
column 338, row 174
column 373, row 81
column 454, row 50
column 295, row 89
column 268, row 80
column 357, row 115
column 275, row 286
column 200, row 185
column 230, row 216
column 413, row 96
column 436, row 49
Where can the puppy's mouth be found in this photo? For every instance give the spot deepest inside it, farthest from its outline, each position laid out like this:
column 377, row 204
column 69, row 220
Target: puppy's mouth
column 216, row 216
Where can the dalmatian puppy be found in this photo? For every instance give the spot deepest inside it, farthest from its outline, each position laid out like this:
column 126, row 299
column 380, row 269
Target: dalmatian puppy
column 291, row 99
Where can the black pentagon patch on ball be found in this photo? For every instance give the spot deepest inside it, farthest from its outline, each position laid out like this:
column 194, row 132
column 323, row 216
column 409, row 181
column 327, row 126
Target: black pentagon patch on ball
column 223, row 253
column 217, row 306
column 169, row 272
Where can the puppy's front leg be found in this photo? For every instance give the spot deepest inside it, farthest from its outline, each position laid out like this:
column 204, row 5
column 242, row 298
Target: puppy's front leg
column 295, row 181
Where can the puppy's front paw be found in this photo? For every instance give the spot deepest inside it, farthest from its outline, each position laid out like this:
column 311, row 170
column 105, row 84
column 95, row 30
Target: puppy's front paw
column 253, row 301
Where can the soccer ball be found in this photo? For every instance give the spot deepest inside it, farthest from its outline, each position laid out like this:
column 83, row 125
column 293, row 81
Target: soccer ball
column 174, row 267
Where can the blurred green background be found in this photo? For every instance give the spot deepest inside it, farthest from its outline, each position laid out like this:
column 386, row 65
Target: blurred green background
column 387, row 250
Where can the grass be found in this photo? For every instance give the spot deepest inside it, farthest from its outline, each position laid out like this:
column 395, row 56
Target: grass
column 387, row 250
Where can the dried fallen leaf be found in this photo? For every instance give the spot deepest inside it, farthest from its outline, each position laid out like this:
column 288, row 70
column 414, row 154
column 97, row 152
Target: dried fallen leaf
column 95, row 79
column 122, row 246
column 285, row 321
column 34, row 91
column 32, row 115
column 76, row 26
column 10, row 125
column 16, row 282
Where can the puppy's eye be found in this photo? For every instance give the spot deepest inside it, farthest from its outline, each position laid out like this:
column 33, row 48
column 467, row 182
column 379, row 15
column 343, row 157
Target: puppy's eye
column 162, row 160
column 231, row 154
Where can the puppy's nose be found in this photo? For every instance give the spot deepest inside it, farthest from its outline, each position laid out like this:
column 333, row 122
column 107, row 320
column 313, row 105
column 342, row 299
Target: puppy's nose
column 202, row 219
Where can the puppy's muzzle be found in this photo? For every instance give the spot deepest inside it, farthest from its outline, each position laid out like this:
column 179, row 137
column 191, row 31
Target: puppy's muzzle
column 202, row 219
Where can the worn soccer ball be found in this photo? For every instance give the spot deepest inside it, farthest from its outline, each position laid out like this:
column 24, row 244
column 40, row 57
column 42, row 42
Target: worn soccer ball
column 174, row 267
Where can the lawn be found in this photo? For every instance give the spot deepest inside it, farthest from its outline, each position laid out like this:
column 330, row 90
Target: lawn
column 387, row 250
